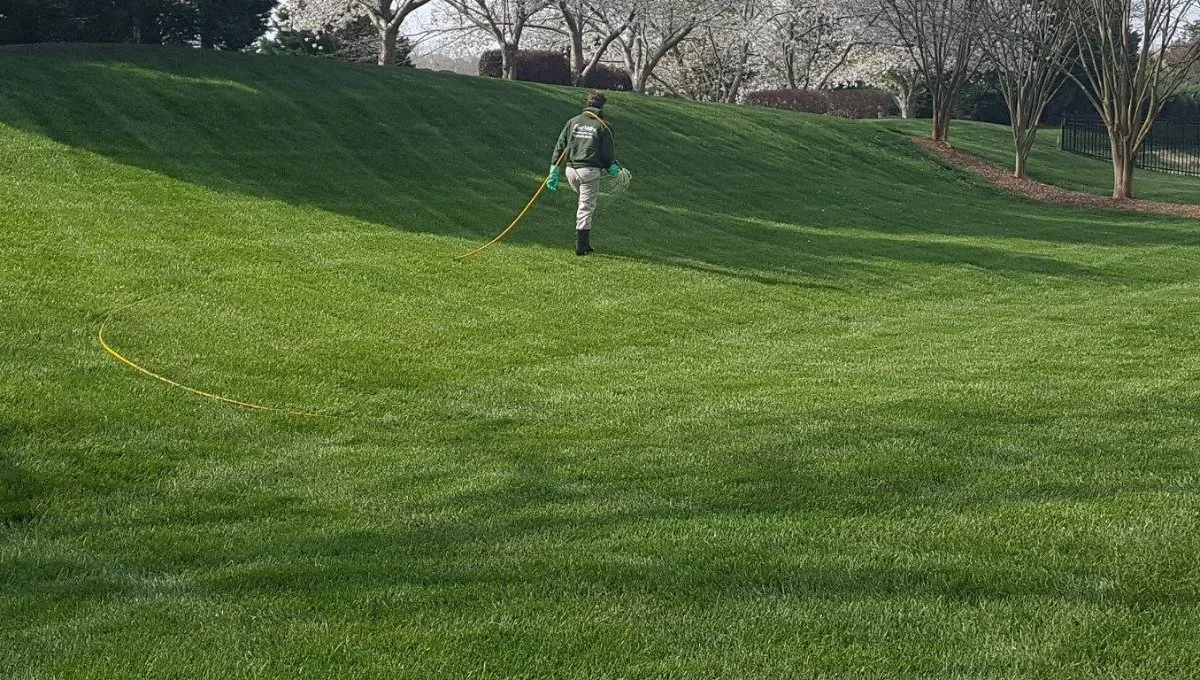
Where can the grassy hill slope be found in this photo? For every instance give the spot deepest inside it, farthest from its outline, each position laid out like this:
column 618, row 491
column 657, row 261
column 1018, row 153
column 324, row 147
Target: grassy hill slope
column 824, row 408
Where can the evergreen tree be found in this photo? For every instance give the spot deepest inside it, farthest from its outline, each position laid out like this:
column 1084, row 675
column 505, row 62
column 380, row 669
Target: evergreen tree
column 213, row 24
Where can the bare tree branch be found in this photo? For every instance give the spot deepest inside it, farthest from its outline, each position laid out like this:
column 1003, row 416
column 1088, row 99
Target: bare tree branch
column 1029, row 43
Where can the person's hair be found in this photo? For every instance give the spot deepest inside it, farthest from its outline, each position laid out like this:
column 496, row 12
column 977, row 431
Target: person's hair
column 596, row 99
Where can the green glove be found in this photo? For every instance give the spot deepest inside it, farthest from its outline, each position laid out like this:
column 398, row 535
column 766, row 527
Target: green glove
column 614, row 169
column 552, row 180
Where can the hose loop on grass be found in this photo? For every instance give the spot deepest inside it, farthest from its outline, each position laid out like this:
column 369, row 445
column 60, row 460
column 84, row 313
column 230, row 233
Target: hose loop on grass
column 208, row 395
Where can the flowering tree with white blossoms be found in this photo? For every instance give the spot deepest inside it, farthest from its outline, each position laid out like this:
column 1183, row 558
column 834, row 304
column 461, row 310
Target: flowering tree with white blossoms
column 658, row 27
column 889, row 68
column 592, row 26
column 720, row 57
column 504, row 21
column 386, row 15
column 792, row 44
column 809, row 42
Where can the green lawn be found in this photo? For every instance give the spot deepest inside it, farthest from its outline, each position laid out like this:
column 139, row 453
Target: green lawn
column 1049, row 164
column 823, row 407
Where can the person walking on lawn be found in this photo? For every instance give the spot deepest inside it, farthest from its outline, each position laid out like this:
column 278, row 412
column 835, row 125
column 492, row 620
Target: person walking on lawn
column 586, row 147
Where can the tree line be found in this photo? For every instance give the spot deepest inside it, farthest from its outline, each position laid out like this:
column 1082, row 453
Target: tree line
column 210, row 24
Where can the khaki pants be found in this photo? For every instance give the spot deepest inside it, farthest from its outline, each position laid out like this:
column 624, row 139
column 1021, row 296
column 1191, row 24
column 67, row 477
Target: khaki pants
column 586, row 182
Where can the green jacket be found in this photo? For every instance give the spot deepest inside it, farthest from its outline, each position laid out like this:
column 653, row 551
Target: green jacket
column 587, row 141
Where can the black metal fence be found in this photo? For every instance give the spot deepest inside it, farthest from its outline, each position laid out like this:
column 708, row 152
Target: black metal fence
column 1172, row 146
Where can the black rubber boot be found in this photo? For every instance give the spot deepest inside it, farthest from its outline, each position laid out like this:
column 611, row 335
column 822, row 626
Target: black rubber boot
column 583, row 245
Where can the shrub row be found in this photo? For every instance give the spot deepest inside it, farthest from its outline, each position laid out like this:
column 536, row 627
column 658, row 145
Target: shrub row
column 603, row 77
column 534, row 66
column 552, row 68
column 849, row 103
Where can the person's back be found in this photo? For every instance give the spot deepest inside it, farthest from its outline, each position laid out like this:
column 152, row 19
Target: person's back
column 588, row 141
column 585, row 146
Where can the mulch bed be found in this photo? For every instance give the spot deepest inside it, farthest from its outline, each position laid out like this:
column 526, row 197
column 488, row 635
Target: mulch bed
column 1037, row 191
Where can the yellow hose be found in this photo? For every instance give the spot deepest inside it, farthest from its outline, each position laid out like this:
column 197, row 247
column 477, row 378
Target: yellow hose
column 536, row 196
column 243, row 404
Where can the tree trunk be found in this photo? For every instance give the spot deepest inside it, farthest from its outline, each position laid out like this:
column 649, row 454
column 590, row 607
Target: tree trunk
column 577, row 65
column 641, row 78
column 735, row 89
column 943, row 100
column 147, row 31
column 575, row 29
column 941, row 123
column 1021, row 163
column 1123, row 165
column 904, row 102
column 1024, row 135
column 508, row 56
column 387, row 50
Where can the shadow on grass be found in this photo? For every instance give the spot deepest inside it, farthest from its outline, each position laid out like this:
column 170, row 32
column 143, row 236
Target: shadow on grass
column 18, row 488
column 791, row 518
column 759, row 195
column 766, row 251
column 711, row 534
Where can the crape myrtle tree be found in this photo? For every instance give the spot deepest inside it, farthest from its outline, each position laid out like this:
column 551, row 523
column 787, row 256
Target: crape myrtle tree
column 1131, row 58
column 505, row 22
column 1028, row 44
column 941, row 36
column 387, row 16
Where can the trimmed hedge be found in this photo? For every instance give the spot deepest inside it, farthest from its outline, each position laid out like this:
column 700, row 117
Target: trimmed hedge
column 850, row 103
column 533, row 66
column 862, row 103
column 808, row 101
column 603, row 77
